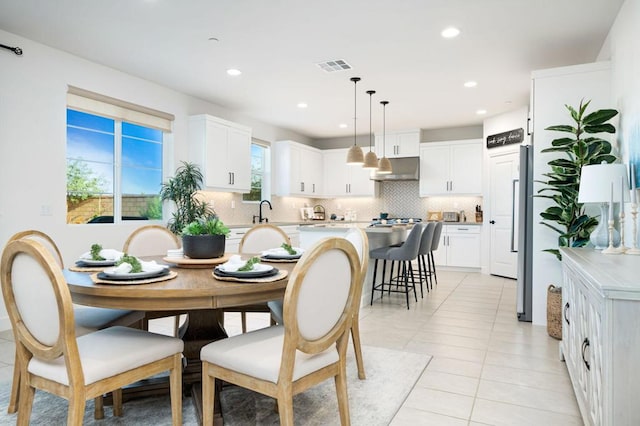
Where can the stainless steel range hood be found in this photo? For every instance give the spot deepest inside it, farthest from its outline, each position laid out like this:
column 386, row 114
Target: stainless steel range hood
column 407, row 168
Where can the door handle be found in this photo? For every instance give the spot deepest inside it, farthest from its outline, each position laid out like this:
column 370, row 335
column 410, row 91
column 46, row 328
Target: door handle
column 566, row 318
column 514, row 184
column 585, row 345
column 233, row 178
column 230, row 178
column 493, row 222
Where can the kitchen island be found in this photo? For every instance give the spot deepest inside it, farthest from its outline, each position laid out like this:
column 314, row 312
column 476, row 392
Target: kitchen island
column 380, row 236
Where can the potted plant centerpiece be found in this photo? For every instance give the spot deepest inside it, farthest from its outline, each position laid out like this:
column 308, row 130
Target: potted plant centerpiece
column 204, row 238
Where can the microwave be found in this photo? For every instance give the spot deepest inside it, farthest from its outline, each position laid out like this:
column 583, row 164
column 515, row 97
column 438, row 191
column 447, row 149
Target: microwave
column 450, row 217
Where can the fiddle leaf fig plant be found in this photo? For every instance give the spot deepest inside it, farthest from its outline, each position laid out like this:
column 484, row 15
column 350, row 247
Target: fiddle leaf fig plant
column 579, row 148
column 181, row 189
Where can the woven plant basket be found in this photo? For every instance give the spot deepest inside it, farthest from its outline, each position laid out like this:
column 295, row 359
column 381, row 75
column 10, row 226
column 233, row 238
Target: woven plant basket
column 554, row 311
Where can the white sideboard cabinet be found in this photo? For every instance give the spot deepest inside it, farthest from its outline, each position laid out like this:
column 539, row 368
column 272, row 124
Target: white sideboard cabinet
column 601, row 334
column 223, row 151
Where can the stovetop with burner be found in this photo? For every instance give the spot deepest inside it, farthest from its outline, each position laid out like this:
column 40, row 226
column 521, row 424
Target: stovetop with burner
column 395, row 221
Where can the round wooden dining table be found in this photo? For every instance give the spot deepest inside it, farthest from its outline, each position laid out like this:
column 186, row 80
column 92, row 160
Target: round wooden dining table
column 195, row 291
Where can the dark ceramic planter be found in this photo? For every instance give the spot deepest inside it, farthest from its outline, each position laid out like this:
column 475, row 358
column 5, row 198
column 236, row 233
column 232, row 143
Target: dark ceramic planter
column 203, row 246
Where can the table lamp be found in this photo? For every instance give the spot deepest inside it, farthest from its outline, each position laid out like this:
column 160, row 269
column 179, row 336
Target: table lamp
column 596, row 187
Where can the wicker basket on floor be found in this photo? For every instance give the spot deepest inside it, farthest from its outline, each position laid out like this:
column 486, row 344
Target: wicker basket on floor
column 554, row 311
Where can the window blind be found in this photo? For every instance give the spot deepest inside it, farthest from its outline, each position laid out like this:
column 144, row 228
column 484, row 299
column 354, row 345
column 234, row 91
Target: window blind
column 95, row 103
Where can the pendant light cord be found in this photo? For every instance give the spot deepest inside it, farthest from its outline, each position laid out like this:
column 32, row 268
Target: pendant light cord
column 355, row 109
column 371, row 93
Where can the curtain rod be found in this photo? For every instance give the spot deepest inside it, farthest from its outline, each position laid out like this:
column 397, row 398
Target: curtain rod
column 15, row 50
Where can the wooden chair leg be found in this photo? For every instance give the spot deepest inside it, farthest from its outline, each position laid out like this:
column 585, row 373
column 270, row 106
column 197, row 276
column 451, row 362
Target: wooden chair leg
column 25, row 403
column 208, row 395
column 15, row 387
column 243, row 318
column 117, row 402
column 98, row 411
column 285, row 409
column 343, row 400
column 175, row 381
column 75, row 415
column 355, row 336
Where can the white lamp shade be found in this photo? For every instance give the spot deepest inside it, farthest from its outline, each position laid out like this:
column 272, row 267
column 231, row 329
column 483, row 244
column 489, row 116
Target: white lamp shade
column 596, row 180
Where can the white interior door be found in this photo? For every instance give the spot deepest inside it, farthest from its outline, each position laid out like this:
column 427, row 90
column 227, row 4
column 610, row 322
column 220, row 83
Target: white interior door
column 503, row 175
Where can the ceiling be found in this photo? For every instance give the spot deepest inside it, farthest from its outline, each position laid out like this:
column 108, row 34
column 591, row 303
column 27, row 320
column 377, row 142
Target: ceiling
column 394, row 46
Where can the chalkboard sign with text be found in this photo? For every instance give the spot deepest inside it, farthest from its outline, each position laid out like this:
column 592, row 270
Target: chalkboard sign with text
column 505, row 138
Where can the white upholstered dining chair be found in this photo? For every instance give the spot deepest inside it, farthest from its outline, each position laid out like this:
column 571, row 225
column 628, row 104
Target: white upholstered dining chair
column 153, row 240
column 256, row 240
column 358, row 238
column 284, row 360
column 53, row 359
column 87, row 318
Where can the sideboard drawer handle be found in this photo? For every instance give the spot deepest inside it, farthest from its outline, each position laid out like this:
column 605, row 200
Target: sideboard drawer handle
column 585, row 345
column 566, row 318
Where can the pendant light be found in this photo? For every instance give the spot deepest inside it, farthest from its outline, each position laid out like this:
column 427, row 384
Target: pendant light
column 384, row 166
column 370, row 159
column 355, row 157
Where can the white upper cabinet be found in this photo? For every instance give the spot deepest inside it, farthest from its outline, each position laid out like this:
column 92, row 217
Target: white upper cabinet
column 223, row 151
column 451, row 168
column 297, row 170
column 342, row 180
column 403, row 143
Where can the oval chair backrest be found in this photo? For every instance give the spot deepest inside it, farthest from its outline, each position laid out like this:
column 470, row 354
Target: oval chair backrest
column 436, row 236
column 151, row 240
column 427, row 238
column 37, row 298
column 43, row 239
column 262, row 237
column 358, row 238
column 320, row 295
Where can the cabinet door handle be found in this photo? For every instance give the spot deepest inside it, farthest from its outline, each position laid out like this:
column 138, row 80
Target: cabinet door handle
column 229, row 178
column 451, row 186
column 233, row 178
column 301, row 186
column 566, row 318
column 313, row 188
column 585, row 345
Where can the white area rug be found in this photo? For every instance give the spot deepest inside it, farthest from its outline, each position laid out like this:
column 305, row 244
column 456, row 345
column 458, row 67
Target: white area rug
column 390, row 377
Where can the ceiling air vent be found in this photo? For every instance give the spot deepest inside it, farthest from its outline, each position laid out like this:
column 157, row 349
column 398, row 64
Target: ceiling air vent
column 335, row 65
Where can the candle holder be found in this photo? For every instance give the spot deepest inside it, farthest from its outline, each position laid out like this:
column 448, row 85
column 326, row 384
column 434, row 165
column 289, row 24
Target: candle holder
column 634, row 236
column 611, row 249
column 622, row 248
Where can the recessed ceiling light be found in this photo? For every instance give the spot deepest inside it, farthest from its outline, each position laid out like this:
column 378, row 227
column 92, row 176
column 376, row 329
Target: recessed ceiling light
column 481, row 111
column 470, row 84
column 234, row 72
column 450, row 32
column 342, row 126
column 302, row 105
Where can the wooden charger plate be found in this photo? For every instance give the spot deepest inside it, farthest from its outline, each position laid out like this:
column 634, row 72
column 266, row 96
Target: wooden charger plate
column 185, row 262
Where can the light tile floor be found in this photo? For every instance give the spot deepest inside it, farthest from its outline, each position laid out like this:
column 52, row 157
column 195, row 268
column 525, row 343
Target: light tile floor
column 487, row 368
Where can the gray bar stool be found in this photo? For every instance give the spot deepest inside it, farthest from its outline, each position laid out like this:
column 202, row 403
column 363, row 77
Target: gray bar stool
column 424, row 267
column 404, row 254
column 434, row 246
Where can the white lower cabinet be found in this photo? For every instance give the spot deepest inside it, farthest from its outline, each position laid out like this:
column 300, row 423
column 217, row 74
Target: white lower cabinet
column 601, row 334
column 235, row 235
column 459, row 246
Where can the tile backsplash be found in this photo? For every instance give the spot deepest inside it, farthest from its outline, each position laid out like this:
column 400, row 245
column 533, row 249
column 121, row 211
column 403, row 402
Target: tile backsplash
column 399, row 199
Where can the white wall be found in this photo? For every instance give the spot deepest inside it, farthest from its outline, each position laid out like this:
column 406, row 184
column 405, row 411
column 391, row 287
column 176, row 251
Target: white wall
column 553, row 89
column 33, row 91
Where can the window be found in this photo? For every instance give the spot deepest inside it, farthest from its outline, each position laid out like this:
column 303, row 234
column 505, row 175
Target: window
column 114, row 161
column 260, row 173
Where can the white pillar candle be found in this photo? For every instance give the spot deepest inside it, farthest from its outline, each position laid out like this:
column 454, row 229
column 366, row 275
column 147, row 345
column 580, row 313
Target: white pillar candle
column 621, row 195
column 633, row 183
column 611, row 204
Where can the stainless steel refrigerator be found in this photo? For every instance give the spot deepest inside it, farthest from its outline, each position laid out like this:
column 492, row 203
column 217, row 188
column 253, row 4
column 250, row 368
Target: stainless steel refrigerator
column 523, row 202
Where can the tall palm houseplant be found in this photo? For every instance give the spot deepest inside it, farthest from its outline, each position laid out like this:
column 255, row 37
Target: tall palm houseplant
column 181, row 189
column 579, row 148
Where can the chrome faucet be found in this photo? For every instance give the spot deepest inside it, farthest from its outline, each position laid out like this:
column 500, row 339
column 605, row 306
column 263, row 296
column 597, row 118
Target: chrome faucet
column 260, row 218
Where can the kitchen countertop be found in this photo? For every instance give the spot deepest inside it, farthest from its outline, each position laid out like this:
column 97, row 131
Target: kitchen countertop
column 335, row 224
